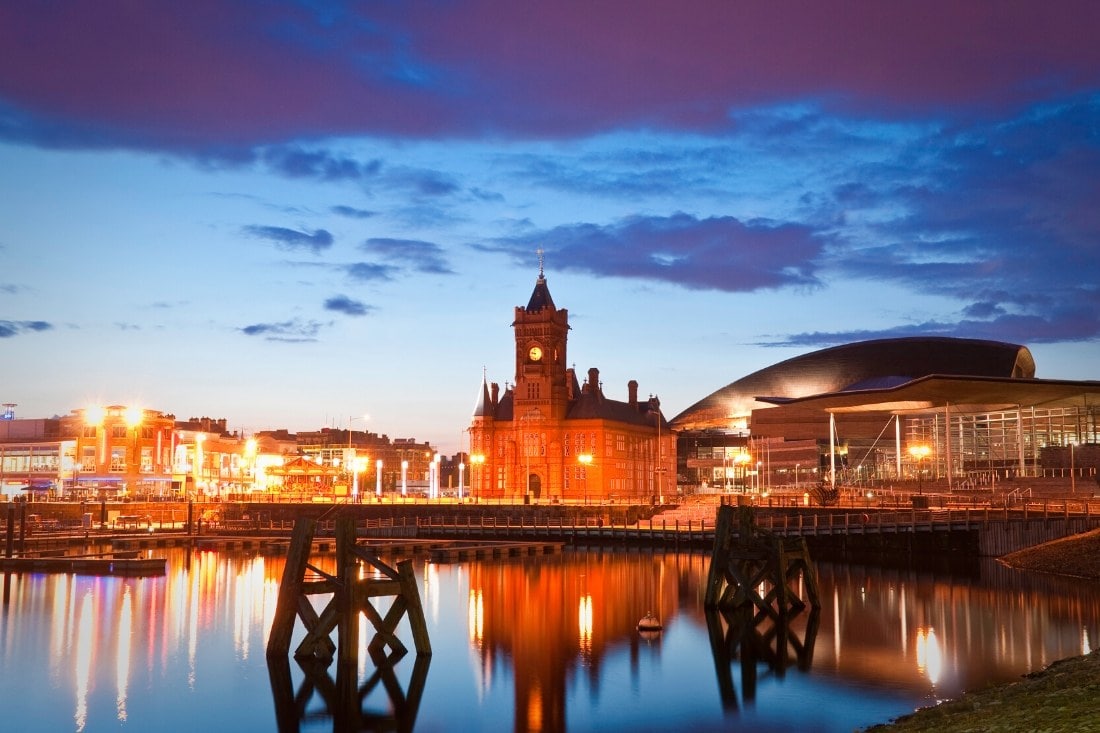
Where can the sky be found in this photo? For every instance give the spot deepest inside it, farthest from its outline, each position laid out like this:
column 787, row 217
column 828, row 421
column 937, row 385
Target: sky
column 320, row 214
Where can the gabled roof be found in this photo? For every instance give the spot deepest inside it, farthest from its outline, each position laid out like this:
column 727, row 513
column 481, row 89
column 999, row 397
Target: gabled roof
column 589, row 406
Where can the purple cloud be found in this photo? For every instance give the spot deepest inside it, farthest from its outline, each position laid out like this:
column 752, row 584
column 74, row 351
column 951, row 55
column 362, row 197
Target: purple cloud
column 289, row 71
column 292, row 331
column 291, row 239
column 347, row 306
column 9, row 329
column 717, row 253
column 422, row 256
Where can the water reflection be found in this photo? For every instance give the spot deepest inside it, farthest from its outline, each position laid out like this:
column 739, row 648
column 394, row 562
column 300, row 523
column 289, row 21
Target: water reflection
column 533, row 644
column 342, row 699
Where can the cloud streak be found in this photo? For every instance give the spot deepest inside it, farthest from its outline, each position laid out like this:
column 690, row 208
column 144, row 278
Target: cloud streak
column 291, row 239
column 10, row 329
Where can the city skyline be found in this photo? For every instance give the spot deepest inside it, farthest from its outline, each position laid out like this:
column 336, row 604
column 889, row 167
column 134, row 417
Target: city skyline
column 297, row 215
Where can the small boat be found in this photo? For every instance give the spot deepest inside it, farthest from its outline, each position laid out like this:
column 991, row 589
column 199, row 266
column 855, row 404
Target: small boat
column 649, row 622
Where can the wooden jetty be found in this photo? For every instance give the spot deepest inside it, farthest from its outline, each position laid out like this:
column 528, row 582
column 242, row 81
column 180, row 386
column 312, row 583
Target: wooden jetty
column 85, row 565
column 458, row 551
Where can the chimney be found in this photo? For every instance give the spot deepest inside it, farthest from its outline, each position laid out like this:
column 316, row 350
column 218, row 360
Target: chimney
column 594, row 381
column 496, row 392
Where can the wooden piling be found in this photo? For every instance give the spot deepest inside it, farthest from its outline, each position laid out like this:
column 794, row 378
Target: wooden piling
column 351, row 596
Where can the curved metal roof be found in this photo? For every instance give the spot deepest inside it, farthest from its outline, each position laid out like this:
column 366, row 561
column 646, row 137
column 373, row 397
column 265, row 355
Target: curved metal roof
column 856, row 368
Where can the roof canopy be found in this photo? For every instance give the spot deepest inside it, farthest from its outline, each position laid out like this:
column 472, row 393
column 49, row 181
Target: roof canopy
column 936, row 391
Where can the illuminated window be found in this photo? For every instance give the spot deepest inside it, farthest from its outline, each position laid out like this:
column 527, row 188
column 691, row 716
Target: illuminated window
column 118, row 460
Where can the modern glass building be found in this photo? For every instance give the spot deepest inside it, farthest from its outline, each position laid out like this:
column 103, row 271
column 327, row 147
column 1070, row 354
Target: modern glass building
column 962, row 410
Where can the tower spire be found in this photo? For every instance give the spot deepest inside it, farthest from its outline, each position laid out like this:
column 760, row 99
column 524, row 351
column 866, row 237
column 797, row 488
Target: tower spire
column 540, row 252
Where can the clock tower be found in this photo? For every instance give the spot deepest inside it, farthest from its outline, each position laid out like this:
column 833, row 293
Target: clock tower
column 547, row 436
column 541, row 332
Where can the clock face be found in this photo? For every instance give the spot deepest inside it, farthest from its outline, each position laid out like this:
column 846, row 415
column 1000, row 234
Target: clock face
column 535, row 353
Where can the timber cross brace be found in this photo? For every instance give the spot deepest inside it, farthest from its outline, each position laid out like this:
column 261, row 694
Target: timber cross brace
column 753, row 558
column 351, row 596
column 753, row 581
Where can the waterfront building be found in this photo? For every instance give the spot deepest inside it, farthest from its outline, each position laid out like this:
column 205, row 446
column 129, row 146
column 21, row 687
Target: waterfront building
column 550, row 437
column 122, row 451
column 966, row 410
column 358, row 462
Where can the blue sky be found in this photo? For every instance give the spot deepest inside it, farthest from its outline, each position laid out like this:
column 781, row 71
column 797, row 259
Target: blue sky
column 291, row 213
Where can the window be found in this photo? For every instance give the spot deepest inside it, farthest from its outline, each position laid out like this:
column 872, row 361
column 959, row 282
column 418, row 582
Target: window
column 533, row 390
column 118, row 431
column 87, row 458
column 118, row 460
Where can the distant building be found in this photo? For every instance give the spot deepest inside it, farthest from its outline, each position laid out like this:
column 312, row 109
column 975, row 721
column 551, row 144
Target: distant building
column 125, row 451
column 967, row 410
column 550, row 437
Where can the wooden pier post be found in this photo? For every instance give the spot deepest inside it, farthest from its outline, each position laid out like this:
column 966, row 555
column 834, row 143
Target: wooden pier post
column 351, row 596
column 751, row 582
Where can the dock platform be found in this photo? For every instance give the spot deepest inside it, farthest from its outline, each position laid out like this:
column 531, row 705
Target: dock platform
column 85, row 565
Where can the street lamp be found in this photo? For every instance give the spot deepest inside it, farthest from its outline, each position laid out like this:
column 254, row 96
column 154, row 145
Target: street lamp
column 435, row 464
column 585, row 459
column 378, row 478
column 1072, row 469
column 919, row 452
column 476, row 461
column 133, row 416
column 742, row 459
column 404, row 475
column 461, row 470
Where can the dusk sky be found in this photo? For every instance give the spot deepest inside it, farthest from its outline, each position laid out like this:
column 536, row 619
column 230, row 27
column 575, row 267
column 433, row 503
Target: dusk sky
column 288, row 214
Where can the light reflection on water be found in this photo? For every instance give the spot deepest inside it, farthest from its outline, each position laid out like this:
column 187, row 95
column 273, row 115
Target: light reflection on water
column 534, row 644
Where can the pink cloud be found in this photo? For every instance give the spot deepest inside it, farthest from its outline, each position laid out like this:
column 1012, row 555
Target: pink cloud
column 206, row 73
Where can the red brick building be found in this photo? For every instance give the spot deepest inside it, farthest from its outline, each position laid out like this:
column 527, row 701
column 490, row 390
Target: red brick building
column 550, row 437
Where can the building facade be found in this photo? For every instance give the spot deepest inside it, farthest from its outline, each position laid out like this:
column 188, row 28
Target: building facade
column 966, row 410
column 549, row 437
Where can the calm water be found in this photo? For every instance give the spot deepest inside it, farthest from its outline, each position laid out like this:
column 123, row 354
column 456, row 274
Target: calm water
column 546, row 644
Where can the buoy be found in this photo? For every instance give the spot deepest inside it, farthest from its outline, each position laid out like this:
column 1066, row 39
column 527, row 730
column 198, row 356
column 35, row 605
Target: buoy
column 649, row 622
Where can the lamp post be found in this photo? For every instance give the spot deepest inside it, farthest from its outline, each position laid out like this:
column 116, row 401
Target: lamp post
column 742, row 459
column 435, row 465
column 378, row 478
column 919, row 453
column 250, row 447
column 476, row 461
column 585, row 459
column 404, row 476
column 1072, row 469
column 133, row 416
